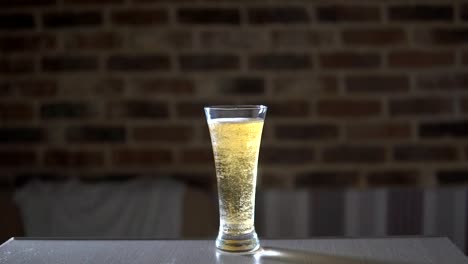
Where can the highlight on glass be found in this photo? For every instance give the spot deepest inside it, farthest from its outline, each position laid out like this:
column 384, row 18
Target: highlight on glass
column 236, row 132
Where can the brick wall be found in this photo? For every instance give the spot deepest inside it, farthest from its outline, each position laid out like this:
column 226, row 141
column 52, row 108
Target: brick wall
column 359, row 92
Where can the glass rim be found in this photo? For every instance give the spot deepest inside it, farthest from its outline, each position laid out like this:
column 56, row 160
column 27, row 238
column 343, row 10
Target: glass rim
column 235, row 107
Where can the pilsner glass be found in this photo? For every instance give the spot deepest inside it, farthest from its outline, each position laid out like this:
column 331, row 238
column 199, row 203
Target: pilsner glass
column 236, row 132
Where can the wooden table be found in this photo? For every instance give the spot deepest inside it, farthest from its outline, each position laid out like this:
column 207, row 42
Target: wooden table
column 315, row 251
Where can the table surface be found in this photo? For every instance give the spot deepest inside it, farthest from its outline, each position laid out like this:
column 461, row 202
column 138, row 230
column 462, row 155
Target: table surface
column 316, row 251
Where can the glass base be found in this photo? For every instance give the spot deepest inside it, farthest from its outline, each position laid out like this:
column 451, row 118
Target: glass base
column 242, row 243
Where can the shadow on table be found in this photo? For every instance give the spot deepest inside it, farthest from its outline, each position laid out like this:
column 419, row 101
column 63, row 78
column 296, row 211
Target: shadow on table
column 283, row 255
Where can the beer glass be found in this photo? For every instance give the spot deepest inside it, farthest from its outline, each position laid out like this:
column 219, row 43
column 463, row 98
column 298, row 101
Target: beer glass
column 236, row 132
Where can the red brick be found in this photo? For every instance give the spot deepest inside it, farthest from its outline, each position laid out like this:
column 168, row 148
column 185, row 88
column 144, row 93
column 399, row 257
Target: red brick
column 140, row 17
column 96, row 134
column 296, row 38
column 16, row 65
column 209, row 62
column 464, row 12
column 155, row 41
column 17, row 158
column 138, row 109
column 163, row 86
column 71, row 19
column 349, row 60
column 421, row 106
column 286, row 156
column 195, row 109
column 109, row 87
column 21, row 135
column 377, row 84
column 378, row 131
column 444, row 129
column 69, row 63
column 162, row 133
column 287, row 108
column 429, row 13
column 394, row 177
column 208, row 16
column 16, row 21
column 464, row 105
column 306, row 132
column 73, row 158
column 354, row 154
column 454, row 177
column 424, row 153
column 26, row 3
column 329, row 83
column 233, row 39
column 16, row 111
column 66, row 109
column 26, row 43
column 420, row 59
column 198, row 155
column 349, row 107
column 92, row 41
column 137, row 63
column 272, row 180
column 302, row 86
column 92, row 2
column 333, row 179
column 451, row 81
column 35, row 87
column 205, row 134
column 280, row 61
column 374, row 37
column 5, row 89
column 348, row 13
column 238, row 85
column 133, row 157
column 277, row 15
column 442, row 36
column 159, row 1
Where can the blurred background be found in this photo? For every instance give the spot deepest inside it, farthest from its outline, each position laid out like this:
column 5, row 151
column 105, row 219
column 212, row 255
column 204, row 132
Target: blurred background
column 102, row 130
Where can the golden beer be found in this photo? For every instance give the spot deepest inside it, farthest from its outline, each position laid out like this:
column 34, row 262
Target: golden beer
column 236, row 144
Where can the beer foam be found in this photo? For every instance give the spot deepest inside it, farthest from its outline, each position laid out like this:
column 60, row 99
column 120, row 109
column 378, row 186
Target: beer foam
column 235, row 120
